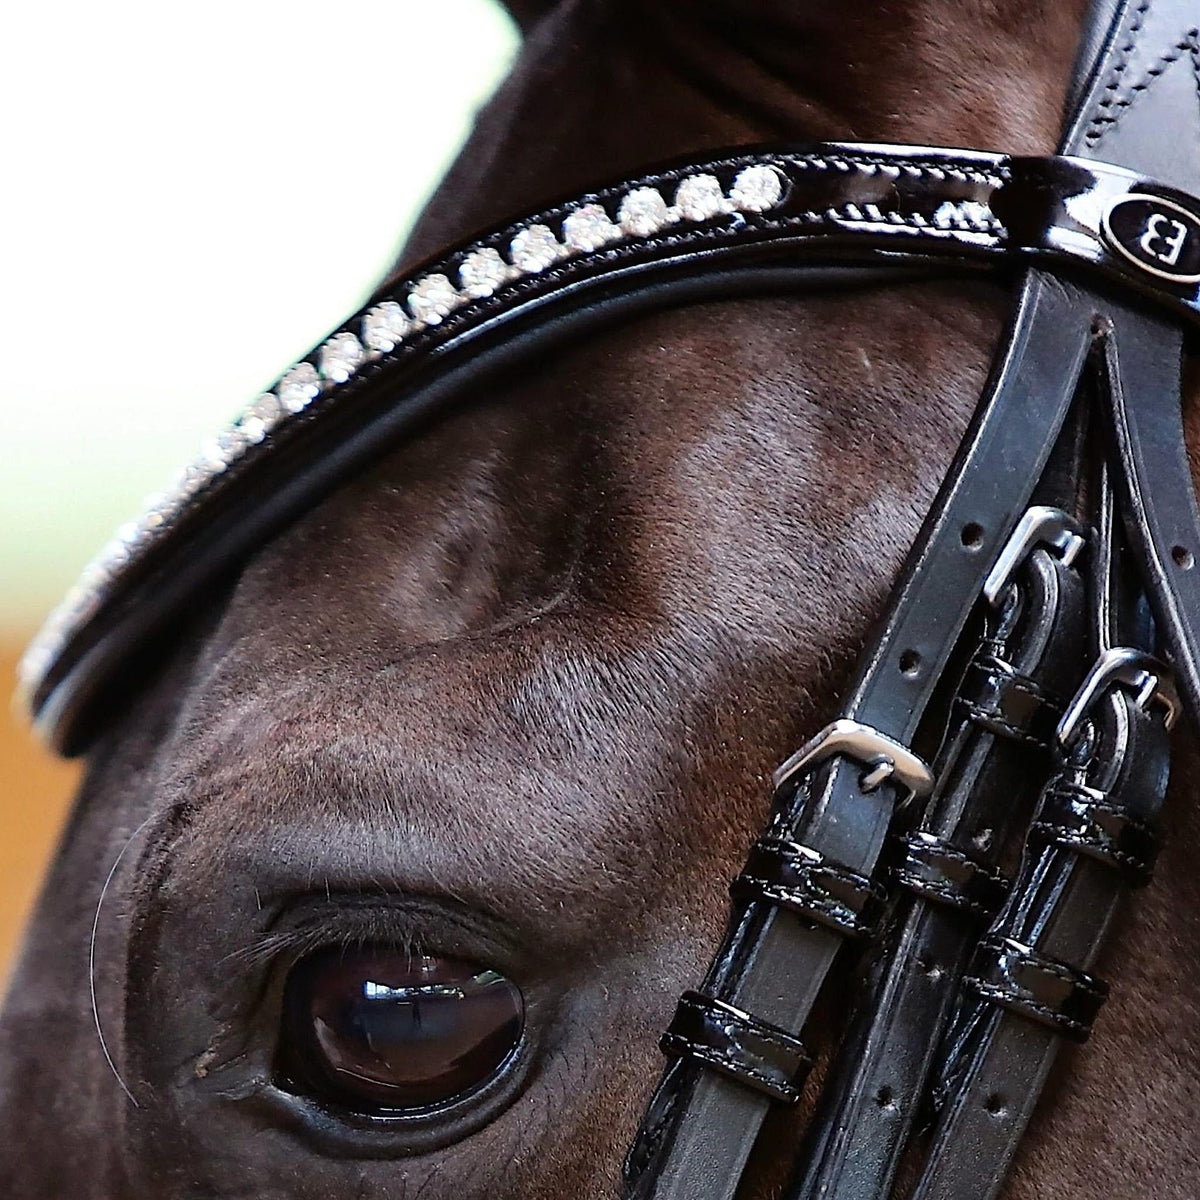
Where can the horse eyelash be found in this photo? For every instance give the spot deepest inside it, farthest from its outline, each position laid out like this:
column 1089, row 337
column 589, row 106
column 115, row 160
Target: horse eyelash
column 303, row 940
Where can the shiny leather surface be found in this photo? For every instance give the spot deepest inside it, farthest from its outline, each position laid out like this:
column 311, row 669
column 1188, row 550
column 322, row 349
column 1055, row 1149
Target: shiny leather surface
column 986, row 784
column 1015, row 976
column 699, row 1145
column 808, row 884
column 845, row 206
column 734, row 1044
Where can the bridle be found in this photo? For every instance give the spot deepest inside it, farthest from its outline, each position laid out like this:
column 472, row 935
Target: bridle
column 993, row 782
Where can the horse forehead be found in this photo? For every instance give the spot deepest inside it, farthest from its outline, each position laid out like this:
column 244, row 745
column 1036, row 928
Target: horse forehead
column 638, row 450
column 545, row 759
column 637, row 680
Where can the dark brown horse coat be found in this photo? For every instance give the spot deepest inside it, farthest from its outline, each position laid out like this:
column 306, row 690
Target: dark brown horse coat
column 516, row 691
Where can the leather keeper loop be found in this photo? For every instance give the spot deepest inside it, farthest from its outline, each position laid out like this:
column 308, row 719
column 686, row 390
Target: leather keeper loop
column 942, row 873
column 761, row 1056
column 1088, row 820
column 1019, row 978
column 797, row 878
column 996, row 698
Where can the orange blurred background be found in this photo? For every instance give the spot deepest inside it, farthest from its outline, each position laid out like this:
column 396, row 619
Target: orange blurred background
column 36, row 791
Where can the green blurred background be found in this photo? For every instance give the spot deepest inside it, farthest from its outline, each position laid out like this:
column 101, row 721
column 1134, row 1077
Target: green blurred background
column 194, row 196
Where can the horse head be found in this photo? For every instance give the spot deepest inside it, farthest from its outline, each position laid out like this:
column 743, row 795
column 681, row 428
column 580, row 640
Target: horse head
column 498, row 715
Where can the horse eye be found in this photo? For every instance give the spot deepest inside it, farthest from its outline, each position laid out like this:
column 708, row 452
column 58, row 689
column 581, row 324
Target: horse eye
column 376, row 1029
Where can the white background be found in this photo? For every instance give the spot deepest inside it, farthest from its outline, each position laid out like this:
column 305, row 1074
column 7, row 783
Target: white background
column 190, row 197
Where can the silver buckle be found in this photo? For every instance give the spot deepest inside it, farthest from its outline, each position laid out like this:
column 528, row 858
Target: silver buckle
column 1040, row 526
column 1143, row 674
column 885, row 759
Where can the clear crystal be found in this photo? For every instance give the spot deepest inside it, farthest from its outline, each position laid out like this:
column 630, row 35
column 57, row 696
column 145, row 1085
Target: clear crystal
column 265, row 408
column 299, row 387
column 385, row 326
column 535, row 248
column 643, row 212
column 161, row 508
column 433, row 298
column 253, row 429
column 212, row 457
column 589, row 228
column 188, row 481
column 482, row 272
column 233, row 443
column 260, row 418
column 340, row 357
column 757, row 188
column 699, row 197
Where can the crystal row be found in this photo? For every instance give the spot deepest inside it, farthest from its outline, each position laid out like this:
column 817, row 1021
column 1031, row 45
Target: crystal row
column 425, row 301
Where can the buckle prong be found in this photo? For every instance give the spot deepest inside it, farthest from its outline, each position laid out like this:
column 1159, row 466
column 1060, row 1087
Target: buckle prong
column 1040, row 526
column 1146, row 676
column 884, row 758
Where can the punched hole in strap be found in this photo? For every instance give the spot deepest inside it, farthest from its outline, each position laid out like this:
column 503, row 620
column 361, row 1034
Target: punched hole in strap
column 1025, row 981
column 805, row 882
column 735, row 1044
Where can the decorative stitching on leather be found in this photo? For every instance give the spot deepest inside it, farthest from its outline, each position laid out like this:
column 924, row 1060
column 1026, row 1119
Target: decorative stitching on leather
column 1119, row 67
column 735, row 1066
column 1110, row 110
column 807, row 892
column 741, row 1060
column 730, row 1020
column 1094, row 837
column 1058, row 970
column 913, row 168
column 1061, row 837
column 994, row 723
column 799, row 901
column 1006, row 998
column 945, row 891
column 1119, row 856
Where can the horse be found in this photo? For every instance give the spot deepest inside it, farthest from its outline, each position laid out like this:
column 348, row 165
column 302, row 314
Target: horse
column 510, row 697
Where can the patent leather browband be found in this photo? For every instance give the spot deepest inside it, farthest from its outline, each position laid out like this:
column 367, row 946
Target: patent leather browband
column 706, row 229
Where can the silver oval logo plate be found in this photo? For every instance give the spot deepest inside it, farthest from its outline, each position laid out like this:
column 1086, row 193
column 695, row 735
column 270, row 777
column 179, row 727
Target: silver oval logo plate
column 1157, row 235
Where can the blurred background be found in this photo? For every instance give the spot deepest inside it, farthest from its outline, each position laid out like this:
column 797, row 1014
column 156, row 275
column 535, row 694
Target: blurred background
column 195, row 196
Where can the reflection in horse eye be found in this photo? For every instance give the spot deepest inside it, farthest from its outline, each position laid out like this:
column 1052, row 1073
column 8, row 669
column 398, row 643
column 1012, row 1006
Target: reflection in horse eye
column 377, row 1029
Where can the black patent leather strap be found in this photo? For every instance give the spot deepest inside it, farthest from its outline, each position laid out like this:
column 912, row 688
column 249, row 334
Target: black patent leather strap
column 1012, row 1022
column 1008, row 703
column 938, row 871
column 1017, row 977
column 807, row 883
column 1095, row 823
column 1139, row 104
column 879, row 1074
column 748, row 1051
column 772, row 965
column 1142, row 366
column 701, row 1133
